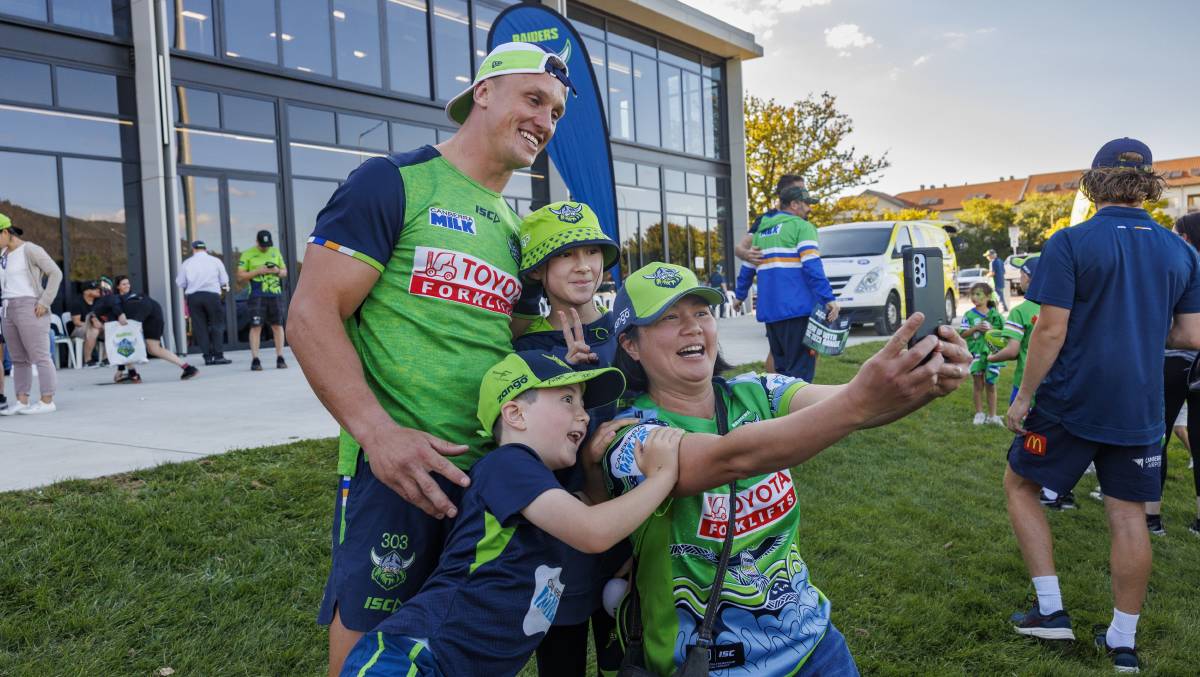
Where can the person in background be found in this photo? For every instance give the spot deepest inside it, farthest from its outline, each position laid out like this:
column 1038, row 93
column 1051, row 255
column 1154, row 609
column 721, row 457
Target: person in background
column 26, row 324
column 125, row 305
column 262, row 266
column 996, row 264
column 202, row 278
column 82, row 326
column 981, row 318
column 717, row 281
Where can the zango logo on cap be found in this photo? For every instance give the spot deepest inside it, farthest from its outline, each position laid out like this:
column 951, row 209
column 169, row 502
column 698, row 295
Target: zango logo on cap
column 517, row 383
column 497, row 64
column 1035, row 444
column 451, row 221
column 665, row 277
column 755, row 508
column 568, row 214
column 462, row 278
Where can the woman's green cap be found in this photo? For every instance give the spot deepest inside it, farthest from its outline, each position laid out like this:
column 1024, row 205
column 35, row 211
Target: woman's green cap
column 650, row 290
column 560, row 226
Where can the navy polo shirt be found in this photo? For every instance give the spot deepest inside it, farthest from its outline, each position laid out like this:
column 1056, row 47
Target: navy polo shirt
column 1123, row 277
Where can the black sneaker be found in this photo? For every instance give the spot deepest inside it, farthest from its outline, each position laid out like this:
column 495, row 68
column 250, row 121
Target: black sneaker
column 1063, row 502
column 1033, row 624
column 279, row 363
column 1155, row 525
column 1068, row 500
column 1124, row 658
column 256, row 364
column 188, row 372
column 216, row 361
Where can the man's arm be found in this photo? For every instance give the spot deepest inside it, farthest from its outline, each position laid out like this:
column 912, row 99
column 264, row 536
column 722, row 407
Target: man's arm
column 329, row 293
column 746, row 251
column 1185, row 332
column 1044, row 345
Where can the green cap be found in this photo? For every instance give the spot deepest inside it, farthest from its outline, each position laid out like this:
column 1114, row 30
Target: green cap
column 651, row 289
column 508, row 59
column 530, row 369
column 559, row 226
column 5, row 222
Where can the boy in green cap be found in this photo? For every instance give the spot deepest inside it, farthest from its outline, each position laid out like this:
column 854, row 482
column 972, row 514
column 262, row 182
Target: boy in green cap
column 565, row 251
column 497, row 587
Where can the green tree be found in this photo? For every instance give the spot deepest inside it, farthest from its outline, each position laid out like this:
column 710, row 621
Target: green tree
column 1037, row 217
column 807, row 137
column 985, row 226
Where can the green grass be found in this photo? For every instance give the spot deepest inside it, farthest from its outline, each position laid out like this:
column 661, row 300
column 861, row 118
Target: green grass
column 216, row 567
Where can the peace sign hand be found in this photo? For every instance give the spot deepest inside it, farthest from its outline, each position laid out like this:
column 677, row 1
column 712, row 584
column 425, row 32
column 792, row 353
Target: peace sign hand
column 578, row 351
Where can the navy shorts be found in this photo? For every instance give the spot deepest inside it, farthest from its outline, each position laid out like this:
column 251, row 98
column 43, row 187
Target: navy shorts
column 383, row 549
column 1051, row 456
column 786, row 341
column 265, row 310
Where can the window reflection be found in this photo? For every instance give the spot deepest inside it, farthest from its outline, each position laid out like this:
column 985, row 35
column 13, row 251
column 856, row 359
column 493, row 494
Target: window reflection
column 308, row 199
column 599, row 64
column 58, row 131
column 408, row 46
column 710, row 110
column 233, row 151
column 620, row 94
column 311, row 124
column 197, row 107
column 87, row 90
column 25, row 81
column 29, row 196
column 88, row 15
column 93, row 192
column 199, row 202
column 356, row 28
column 306, row 36
column 410, row 137
column 692, row 122
column 253, row 206
column 645, row 95
column 650, row 224
column 325, row 161
column 28, row 9
column 243, row 114
column 190, row 25
column 452, row 44
column 628, row 237
column 250, row 30
column 484, row 16
column 362, row 132
column 672, row 107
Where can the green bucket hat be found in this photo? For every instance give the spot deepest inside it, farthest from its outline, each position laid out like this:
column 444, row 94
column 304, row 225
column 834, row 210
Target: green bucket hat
column 559, row 226
column 528, row 369
column 508, row 59
column 651, row 289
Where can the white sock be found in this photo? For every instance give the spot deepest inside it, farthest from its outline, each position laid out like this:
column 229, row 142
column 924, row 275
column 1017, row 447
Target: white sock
column 1050, row 493
column 1122, row 630
column 1048, row 595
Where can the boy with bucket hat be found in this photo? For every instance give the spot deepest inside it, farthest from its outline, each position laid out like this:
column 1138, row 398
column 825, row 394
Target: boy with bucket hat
column 497, row 588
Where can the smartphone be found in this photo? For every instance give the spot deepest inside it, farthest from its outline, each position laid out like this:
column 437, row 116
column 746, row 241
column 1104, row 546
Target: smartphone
column 271, row 264
column 925, row 288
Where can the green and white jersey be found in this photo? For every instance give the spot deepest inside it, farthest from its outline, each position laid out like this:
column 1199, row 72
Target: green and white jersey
column 770, row 616
column 1019, row 327
column 447, row 251
column 976, row 343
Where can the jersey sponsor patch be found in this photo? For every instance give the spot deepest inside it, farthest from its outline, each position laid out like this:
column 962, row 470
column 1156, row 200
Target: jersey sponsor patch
column 444, row 218
column 756, row 507
column 454, row 276
column 547, row 591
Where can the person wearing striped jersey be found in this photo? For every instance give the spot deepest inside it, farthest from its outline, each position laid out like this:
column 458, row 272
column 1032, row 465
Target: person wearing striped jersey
column 791, row 282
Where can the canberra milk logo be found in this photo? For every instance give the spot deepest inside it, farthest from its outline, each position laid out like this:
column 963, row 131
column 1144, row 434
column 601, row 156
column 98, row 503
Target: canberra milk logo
column 449, row 220
column 547, row 591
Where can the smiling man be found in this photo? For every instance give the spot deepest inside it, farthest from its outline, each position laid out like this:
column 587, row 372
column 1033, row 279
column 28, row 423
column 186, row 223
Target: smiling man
column 405, row 301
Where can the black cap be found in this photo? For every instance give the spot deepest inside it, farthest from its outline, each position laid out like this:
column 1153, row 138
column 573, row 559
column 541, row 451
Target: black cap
column 263, row 238
column 198, row 244
column 89, row 284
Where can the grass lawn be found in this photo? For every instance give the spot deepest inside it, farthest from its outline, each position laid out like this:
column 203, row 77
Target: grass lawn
column 216, row 567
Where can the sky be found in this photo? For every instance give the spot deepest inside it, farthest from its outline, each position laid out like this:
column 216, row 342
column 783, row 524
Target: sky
column 968, row 91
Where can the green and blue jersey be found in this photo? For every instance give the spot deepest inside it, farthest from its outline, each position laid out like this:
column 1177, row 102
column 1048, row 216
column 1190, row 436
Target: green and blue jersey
column 255, row 258
column 791, row 277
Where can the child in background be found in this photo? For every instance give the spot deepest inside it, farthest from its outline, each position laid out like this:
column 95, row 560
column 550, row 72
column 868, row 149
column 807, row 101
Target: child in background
column 498, row 585
column 976, row 322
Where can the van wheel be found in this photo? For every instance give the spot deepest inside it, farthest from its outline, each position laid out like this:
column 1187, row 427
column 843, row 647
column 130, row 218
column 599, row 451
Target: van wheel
column 951, row 309
column 889, row 320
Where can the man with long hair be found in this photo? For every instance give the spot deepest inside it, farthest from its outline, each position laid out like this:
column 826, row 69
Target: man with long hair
column 1097, row 373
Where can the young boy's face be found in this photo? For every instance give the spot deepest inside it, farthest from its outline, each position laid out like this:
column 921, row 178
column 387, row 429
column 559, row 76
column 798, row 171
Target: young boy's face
column 556, row 424
column 573, row 276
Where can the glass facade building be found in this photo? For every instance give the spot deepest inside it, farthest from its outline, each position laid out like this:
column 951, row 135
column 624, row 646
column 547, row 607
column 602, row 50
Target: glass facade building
column 271, row 103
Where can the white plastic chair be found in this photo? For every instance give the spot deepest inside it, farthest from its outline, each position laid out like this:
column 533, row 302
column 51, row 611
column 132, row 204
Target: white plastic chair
column 76, row 343
column 61, row 339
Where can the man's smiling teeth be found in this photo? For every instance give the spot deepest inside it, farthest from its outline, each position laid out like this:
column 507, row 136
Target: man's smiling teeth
column 529, row 137
column 688, row 351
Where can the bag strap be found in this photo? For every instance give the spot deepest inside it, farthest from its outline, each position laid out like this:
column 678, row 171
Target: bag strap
column 720, row 389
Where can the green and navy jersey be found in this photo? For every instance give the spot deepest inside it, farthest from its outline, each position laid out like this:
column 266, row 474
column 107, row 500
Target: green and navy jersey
column 791, row 277
column 497, row 587
column 1019, row 327
column 770, row 616
column 447, row 251
column 255, row 258
column 976, row 342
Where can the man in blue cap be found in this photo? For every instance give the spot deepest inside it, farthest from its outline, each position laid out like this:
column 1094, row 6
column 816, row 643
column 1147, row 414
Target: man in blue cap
column 1097, row 373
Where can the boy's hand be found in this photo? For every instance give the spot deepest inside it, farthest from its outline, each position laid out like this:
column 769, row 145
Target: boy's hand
column 578, row 351
column 660, row 453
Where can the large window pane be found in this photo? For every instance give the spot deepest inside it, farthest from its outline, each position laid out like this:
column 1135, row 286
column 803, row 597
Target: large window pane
column 484, row 16
column 624, row 173
column 190, row 24
column 199, row 204
column 408, row 46
column 215, row 149
column 25, row 81
column 93, row 191
column 599, row 65
column 61, row 132
column 311, row 125
column 29, row 196
column 711, row 115
column 638, row 198
column 645, row 96
column 627, row 236
column 243, row 114
column 672, row 108
column 89, row 15
column 250, row 30
column 324, row 161
column 357, row 37
column 197, row 107
column 253, row 206
column 308, row 199
column 306, row 36
column 647, row 176
column 620, row 94
column 362, row 132
column 692, row 123
column 87, row 90
column 29, row 9
column 409, row 137
column 652, row 236
column 452, row 42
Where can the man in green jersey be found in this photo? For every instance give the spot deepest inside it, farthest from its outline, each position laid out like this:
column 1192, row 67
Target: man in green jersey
column 1019, row 326
column 262, row 266
column 409, row 281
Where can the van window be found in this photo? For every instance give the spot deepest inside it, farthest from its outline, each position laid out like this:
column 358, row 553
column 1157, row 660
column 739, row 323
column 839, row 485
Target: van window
column 853, row 242
column 902, row 239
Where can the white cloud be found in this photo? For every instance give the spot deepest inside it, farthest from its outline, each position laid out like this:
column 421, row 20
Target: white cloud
column 924, row 58
column 756, row 16
column 894, row 74
column 955, row 39
column 843, row 37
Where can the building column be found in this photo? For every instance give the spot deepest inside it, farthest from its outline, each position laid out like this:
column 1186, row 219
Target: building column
column 738, row 191
column 156, row 154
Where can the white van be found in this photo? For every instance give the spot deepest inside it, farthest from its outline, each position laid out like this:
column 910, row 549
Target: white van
column 863, row 264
